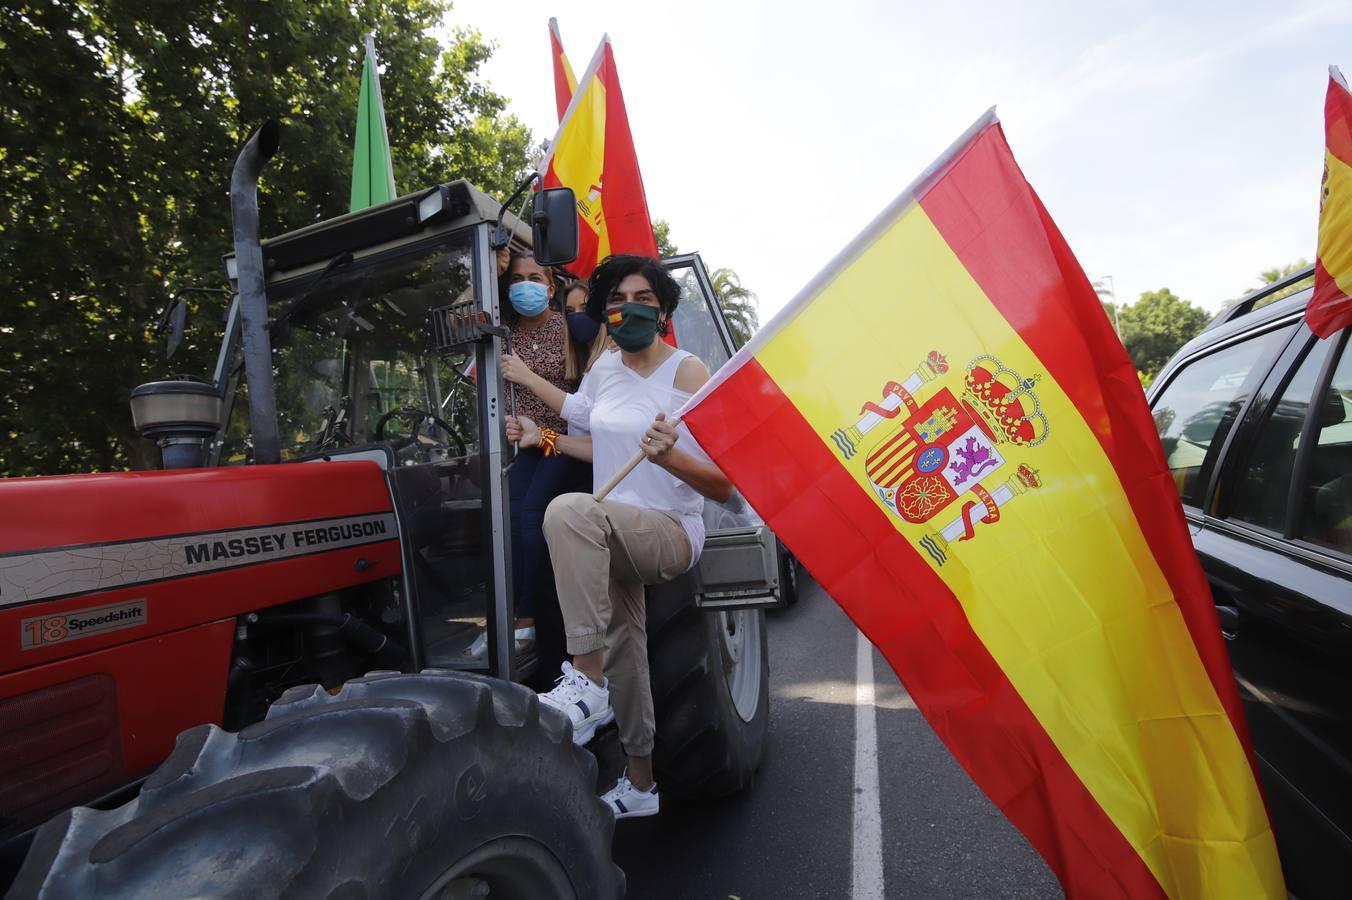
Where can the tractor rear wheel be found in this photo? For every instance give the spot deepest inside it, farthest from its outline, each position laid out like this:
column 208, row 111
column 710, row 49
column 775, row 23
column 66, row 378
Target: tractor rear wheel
column 711, row 693
column 432, row 785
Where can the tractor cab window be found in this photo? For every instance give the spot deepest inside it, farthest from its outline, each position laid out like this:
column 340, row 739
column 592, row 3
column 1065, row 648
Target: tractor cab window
column 354, row 363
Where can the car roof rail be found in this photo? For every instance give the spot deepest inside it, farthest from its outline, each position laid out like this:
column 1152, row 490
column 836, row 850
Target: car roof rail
column 1247, row 303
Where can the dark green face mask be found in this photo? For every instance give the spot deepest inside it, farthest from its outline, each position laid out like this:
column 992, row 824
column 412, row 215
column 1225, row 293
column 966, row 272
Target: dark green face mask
column 636, row 328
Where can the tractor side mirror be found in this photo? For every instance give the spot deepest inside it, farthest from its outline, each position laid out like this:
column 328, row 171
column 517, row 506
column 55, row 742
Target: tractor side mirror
column 553, row 222
column 173, row 322
column 178, row 323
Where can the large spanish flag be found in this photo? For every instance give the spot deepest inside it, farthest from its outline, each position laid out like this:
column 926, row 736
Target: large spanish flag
column 1331, row 306
column 565, row 82
column 946, row 431
column 593, row 153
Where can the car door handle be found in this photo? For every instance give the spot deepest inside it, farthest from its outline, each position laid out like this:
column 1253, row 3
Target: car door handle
column 1229, row 616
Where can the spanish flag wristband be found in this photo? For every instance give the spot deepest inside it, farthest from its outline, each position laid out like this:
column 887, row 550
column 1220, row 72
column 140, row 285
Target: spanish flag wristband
column 549, row 441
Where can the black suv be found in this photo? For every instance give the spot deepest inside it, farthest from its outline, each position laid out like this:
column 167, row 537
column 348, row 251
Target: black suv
column 1255, row 415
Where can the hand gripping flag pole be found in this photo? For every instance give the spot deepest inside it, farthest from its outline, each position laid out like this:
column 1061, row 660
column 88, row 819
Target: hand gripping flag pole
column 626, row 469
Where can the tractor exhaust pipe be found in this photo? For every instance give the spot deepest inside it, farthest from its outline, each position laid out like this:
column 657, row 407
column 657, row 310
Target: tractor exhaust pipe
column 253, row 295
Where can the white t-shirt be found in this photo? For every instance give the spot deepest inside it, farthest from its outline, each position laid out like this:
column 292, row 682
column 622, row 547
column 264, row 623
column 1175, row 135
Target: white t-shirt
column 616, row 406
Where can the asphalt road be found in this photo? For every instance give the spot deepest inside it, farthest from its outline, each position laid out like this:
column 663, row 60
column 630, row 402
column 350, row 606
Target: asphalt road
column 792, row 834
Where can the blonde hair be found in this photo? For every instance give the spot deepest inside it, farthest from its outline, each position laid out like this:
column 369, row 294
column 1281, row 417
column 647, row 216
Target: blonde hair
column 572, row 353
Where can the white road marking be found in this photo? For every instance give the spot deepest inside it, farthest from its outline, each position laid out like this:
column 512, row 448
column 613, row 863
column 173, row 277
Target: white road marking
column 867, row 856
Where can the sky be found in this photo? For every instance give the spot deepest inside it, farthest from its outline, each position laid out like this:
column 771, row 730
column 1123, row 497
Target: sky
column 1176, row 144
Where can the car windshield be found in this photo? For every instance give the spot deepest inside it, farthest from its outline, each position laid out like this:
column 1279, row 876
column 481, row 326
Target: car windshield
column 355, row 344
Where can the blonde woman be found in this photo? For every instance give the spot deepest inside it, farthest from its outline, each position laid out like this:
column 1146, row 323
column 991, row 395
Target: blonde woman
column 585, row 340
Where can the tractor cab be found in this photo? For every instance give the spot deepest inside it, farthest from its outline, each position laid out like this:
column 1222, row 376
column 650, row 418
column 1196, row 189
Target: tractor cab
column 386, row 336
column 364, row 370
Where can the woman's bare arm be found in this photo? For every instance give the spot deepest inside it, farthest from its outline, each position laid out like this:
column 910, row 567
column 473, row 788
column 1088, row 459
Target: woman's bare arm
column 704, row 477
column 660, row 442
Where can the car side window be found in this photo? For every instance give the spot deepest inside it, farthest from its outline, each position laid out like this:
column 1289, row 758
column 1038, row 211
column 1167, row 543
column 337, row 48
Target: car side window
column 1326, row 517
column 1262, row 491
column 1205, row 392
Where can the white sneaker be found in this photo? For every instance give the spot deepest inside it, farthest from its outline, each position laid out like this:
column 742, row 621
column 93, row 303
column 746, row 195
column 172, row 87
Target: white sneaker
column 627, row 801
column 585, row 704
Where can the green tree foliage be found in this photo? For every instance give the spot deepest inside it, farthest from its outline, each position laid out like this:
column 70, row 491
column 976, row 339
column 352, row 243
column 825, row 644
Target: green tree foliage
column 1156, row 325
column 1103, row 287
column 1272, row 276
column 738, row 303
column 119, row 124
column 1113, row 312
column 662, row 231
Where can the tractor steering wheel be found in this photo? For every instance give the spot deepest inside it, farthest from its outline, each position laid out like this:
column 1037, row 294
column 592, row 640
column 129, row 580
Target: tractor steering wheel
column 413, row 419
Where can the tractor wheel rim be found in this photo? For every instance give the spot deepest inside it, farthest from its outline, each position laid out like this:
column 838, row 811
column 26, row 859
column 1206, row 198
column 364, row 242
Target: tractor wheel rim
column 742, row 659
column 513, row 868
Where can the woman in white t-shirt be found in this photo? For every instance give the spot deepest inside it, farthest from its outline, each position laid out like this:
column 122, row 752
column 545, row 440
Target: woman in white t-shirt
column 650, row 528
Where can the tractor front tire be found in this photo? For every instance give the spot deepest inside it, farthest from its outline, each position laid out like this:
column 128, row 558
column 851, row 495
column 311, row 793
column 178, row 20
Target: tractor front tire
column 431, row 785
column 710, row 675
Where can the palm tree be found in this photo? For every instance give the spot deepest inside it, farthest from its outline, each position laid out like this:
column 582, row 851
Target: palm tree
column 738, row 303
column 1271, row 276
column 1106, row 289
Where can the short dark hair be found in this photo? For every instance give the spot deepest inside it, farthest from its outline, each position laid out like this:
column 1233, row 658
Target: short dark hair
column 607, row 276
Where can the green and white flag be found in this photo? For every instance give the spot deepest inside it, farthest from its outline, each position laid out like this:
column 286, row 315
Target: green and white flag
column 372, row 169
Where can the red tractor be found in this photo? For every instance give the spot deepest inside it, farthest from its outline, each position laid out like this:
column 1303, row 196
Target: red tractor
column 244, row 675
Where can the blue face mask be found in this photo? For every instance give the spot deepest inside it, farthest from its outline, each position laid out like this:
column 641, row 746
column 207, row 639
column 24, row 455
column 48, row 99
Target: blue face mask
column 582, row 327
column 528, row 298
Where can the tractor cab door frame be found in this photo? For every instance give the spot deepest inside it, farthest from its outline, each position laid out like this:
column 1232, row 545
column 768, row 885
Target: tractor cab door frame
column 432, row 514
column 741, row 565
column 420, row 490
column 493, row 445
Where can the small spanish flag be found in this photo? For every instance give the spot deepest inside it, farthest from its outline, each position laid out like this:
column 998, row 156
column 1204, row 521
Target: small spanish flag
column 565, row 82
column 945, row 429
column 614, row 317
column 593, row 139
column 1331, row 306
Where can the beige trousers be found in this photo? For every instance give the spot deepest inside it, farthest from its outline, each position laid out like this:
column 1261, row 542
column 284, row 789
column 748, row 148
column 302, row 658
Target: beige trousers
column 603, row 554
